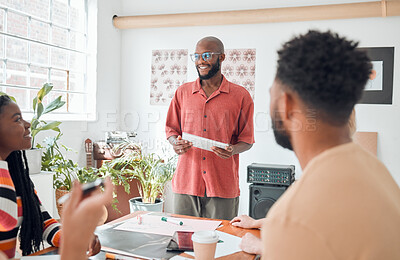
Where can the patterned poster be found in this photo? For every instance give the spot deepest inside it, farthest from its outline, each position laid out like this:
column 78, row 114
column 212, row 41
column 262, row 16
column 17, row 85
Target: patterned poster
column 239, row 67
column 168, row 72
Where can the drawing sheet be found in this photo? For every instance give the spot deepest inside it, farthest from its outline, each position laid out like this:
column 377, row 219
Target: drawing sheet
column 202, row 143
column 153, row 225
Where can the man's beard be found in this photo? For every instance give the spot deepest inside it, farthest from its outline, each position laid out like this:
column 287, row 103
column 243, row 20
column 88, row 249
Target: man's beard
column 281, row 135
column 214, row 70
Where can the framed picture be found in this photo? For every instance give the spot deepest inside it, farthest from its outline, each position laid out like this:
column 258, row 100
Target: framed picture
column 379, row 88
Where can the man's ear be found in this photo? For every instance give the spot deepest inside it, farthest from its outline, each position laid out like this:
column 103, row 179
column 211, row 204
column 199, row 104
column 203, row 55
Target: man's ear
column 286, row 105
column 288, row 109
column 222, row 57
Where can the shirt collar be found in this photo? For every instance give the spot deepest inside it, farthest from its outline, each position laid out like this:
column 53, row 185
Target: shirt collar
column 224, row 87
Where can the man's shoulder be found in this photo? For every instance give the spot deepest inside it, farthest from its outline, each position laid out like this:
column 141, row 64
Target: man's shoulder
column 186, row 87
column 238, row 90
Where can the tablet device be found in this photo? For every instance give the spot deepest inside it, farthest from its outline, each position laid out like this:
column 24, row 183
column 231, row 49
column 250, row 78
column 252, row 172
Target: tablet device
column 181, row 241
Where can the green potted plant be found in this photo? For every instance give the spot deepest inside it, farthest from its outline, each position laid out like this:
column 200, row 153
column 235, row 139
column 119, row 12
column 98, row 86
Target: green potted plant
column 37, row 124
column 65, row 170
column 151, row 171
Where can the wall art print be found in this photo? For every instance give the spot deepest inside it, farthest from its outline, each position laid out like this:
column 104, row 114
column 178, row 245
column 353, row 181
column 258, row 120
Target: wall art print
column 239, row 67
column 379, row 88
column 168, row 72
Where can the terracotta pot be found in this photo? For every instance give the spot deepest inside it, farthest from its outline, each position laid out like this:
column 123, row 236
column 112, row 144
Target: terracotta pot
column 123, row 200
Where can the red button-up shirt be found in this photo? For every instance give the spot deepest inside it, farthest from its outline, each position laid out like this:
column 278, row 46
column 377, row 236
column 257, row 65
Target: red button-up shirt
column 225, row 116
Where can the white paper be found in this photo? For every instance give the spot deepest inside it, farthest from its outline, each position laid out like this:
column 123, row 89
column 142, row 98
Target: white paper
column 202, row 143
column 229, row 246
column 178, row 257
column 44, row 257
column 152, row 224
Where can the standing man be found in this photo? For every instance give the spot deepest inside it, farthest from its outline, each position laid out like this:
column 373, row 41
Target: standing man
column 205, row 183
column 346, row 204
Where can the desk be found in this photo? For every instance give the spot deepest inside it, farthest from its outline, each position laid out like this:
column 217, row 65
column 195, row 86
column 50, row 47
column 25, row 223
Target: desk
column 227, row 228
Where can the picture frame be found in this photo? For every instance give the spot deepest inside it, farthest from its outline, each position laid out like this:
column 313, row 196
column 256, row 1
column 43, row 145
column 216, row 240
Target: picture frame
column 379, row 88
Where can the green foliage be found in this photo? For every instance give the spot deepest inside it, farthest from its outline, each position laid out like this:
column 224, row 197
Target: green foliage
column 39, row 109
column 150, row 170
column 53, row 160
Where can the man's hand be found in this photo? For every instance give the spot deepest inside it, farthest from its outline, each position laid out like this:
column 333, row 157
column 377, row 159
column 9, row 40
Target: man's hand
column 180, row 146
column 251, row 244
column 231, row 150
column 223, row 153
column 245, row 221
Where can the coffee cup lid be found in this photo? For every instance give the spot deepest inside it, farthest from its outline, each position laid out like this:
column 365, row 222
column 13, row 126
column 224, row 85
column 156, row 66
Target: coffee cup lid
column 205, row 237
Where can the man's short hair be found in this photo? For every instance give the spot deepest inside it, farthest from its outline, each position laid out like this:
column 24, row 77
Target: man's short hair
column 326, row 71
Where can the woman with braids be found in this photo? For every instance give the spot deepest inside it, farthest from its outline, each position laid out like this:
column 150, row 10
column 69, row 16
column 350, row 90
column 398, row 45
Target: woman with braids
column 20, row 208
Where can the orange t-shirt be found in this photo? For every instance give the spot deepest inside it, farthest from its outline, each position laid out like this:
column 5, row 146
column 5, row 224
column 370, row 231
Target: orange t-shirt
column 346, row 205
column 225, row 116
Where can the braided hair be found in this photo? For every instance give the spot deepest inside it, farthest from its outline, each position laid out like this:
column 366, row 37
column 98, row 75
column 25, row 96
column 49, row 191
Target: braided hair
column 32, row 224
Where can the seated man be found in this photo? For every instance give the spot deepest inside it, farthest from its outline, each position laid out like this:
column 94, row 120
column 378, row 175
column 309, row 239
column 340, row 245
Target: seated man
column 346, row 204
column 252, row 244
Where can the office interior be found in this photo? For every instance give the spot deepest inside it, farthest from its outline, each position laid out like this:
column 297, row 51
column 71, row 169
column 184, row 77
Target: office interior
column 120, row 73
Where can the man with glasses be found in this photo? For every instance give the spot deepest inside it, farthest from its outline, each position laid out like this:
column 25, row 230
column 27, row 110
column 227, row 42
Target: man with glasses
column 206, row 183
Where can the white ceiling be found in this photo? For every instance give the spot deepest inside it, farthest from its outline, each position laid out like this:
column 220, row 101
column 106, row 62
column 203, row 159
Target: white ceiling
column 140, row 7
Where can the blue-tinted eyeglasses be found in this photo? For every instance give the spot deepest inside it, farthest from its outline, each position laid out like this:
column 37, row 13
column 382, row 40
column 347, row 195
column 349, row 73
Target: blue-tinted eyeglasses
column 205, row 55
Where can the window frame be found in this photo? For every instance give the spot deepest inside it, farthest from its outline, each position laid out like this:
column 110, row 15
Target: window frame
column 89, row 75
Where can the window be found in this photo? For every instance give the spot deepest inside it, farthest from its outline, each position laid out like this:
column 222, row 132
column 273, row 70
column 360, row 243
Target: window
column 46, row 41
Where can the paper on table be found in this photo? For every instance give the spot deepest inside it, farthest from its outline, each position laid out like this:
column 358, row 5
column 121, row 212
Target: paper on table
column 229, row 246
column 41, row 257
column 202, row 143
column 178, row 257
column 153, row 225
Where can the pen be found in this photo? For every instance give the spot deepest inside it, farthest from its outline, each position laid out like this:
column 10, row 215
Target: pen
column 172, row 220
column 119, row 257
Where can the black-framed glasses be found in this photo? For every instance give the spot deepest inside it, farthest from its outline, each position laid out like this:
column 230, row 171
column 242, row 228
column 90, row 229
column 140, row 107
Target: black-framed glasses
column 205, row 55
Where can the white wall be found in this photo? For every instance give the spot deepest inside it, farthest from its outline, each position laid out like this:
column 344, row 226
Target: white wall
column 149, row 121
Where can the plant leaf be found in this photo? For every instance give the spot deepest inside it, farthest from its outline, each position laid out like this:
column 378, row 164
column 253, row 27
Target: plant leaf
column 12, row 98
column 55, row 104
column 34, row 103
column 39, row 110
column 47, row 87
column 53, row 126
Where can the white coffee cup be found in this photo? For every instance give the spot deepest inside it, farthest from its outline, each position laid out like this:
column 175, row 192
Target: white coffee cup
column 204, row 244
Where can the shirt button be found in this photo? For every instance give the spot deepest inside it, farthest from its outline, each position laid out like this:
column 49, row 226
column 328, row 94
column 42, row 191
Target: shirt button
column 204, row 158
column 205, row 116
column 204, row 130
column 204, row 172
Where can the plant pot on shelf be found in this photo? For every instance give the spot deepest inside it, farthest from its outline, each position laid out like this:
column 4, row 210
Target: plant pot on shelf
column 136, row 204
column 34, row 157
